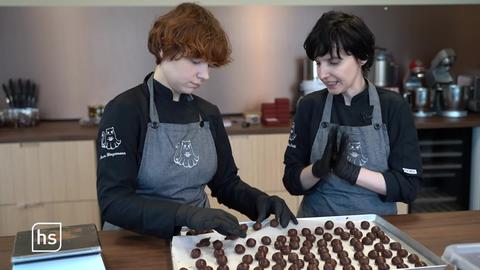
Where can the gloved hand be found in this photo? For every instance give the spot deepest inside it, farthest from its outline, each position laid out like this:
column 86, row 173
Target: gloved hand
column 342, row 167
column 322, row 167
column 267, row 205
column 199, row 218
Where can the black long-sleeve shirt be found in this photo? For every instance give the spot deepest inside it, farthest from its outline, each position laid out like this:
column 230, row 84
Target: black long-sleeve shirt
column 404, row 159
column 117, row 174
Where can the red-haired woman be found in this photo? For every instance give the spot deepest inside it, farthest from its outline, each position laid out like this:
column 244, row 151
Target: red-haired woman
column 159, row 145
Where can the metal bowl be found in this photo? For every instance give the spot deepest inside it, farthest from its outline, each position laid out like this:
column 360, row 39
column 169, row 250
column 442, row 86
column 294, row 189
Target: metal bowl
column 22, row 117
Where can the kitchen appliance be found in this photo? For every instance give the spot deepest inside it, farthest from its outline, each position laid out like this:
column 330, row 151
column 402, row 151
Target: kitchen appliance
column 439, row 78
column 474, row 95
column 310, row 82
column 454, row 101
column 421, row 102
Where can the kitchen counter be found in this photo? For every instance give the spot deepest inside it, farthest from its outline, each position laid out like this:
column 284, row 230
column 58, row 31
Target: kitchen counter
column 71, row 130
column 126, row 250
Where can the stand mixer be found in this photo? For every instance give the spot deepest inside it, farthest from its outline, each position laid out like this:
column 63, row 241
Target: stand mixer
column 448, row 98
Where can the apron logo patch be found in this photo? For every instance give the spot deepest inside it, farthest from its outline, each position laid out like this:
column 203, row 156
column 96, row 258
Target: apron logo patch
column 109, row 139
column 355, row 153
column 184, row 155
column 409, row 171
column 292, row 137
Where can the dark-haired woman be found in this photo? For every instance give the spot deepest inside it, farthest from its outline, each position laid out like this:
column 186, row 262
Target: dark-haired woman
column 353, row 147
column 159, row 145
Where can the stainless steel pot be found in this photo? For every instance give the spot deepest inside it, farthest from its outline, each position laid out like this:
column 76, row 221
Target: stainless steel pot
column 421, row 99
column 454, row 98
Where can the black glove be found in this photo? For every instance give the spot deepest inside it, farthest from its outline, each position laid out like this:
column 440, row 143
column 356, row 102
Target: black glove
column 322, row 167
column 342, row 167
column 267, row 205
column 198, row 218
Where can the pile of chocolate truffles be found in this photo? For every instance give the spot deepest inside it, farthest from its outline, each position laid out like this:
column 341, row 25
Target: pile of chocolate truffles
column 328, row 247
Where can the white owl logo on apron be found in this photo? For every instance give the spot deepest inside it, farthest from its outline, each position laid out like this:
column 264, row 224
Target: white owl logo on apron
column 355, row 153
column 184, row 155
column 109, row 139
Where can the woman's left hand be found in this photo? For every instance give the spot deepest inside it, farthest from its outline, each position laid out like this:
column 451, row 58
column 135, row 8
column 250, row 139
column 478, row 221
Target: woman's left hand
column 267, row 205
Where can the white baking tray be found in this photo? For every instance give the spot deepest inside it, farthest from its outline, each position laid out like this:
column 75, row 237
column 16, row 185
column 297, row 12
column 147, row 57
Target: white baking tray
column 181, row 246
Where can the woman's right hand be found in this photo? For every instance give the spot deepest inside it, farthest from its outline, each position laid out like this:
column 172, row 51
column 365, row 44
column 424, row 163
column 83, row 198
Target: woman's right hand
column 199, row 218
column 322, row 167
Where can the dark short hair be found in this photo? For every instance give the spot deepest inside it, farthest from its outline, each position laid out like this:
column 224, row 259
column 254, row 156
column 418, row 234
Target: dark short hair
column 189, row 30
column 337, row 30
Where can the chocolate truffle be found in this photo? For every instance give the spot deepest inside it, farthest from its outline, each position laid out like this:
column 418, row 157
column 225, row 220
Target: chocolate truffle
column 306, row 231
column 383, row 266
column 307, row 244
column 294, row 245
column 223, row 267
column 380, row 260
column 292, row 232
column 358, row 246
column 257, row 226
column 345, row 261
column 365, row 267
column 243, row 266
column 312, row 267
column 218, row 252
column 397, row 260
column 277, row 256
column 277, row 245
column 365, row 225
column 325, row 256
column 413, row 258
column 375, row 229
column 342, row 253
column 273, row 223
column 337, row 231
column 323, row 249
column 371, row 236
column 385, row 239
column 321, row 243
column 264, row 263
column 344, row 236
column 244, row 227
column 364, row 260
column 328, row 225
column 217, row 244
column 195, row 253
column 285, row 250
column 358, row 254
column 387, row 253
column 402, row 253
column 222, row 260
column 299, row 263
column 311, row 238
column 337, row 248
column 358, row 234
column 402, row 266
column 260, row 255
column 263, row 249
column 319, row 231
column 205, row 242
column 282, row 238
column 420, row 264
column 336, row 242
column 367, row 241
column 292, row 257
column 332, row 262
column 304, row 250
column 353, row 241
column 251, row 242
column 200, row 263
column 327, row 236
column 348, row 267
column 373, row 254
column 328, row 266
column 266, row 240
column 349, row 225
column 395, row 246
column 277, row 267
column 294, row 238
column 378, row 247
column 248, row 259
column 239, row 249
column 308, row 257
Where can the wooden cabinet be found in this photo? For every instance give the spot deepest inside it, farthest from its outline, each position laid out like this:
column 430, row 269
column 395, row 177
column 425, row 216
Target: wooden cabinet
column 259, row 159
column 46, row 182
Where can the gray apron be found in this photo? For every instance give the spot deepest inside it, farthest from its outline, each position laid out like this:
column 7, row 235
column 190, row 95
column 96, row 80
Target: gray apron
column 178, row 160
column 369, row 147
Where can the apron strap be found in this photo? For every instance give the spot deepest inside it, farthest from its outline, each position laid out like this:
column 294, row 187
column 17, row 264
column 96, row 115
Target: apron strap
column 375, row 102
column 327, row 111
column 153, row 109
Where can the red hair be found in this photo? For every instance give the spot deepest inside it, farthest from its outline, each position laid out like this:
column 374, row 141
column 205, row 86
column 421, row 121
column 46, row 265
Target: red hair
column 191, row 31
